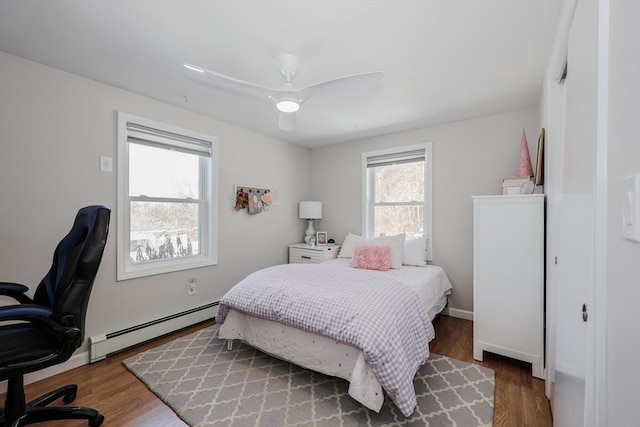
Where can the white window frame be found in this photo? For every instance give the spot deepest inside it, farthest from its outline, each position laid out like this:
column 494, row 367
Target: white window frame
column 208, row 199
column 368, row 188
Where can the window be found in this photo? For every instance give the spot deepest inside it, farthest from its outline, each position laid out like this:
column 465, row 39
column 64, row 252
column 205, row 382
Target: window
column 167, row 206
column 397, row 192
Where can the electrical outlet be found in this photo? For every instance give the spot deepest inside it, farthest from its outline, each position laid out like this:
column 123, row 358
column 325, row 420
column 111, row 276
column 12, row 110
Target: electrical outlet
column 192, row 287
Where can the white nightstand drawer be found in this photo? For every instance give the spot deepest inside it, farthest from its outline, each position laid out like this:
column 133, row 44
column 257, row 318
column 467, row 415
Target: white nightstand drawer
column 304, row 255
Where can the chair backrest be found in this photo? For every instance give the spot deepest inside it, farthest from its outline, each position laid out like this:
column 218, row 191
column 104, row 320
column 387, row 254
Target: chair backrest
column 67, row 286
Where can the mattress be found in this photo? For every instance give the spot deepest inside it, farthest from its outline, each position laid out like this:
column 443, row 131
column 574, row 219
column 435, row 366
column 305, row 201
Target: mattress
column 327, row 355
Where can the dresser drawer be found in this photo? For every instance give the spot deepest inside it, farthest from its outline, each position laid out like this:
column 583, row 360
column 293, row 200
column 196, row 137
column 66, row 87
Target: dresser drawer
column 305, row 256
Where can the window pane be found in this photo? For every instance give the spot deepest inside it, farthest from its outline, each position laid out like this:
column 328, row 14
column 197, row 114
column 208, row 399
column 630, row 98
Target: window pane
column 408, row 219
column 156, row 172
column 163, row 230
column 400, row 183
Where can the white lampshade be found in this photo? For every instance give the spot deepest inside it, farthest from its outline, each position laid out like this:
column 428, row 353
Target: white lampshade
column 310, row 210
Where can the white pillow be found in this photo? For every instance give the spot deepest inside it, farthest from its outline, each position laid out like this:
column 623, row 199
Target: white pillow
column 395, row 242
column 348, row 246
column 415, row 251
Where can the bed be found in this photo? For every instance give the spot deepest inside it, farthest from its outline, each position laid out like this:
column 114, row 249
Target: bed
column 369, row 327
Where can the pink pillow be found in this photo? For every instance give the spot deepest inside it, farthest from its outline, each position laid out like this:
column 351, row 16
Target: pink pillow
column 372, row 257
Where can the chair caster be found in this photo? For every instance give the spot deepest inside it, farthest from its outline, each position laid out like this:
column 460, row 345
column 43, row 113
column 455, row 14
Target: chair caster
column 96, row 421
column 68, row 398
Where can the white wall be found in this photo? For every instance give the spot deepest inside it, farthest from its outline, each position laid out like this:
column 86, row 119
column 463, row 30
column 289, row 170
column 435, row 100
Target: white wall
column 623, row 270
column 471, row 157
column 53, row 128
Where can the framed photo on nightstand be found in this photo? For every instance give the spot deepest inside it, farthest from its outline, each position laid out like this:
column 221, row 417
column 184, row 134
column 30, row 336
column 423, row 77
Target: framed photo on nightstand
column 321, row 238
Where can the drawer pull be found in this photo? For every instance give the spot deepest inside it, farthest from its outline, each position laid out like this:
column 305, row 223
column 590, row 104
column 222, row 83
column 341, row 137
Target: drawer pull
column 305, row 257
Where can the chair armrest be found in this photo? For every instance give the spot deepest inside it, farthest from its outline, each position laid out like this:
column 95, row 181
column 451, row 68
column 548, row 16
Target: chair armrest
column 26, row 312
column 36, row 314
column 15, row 291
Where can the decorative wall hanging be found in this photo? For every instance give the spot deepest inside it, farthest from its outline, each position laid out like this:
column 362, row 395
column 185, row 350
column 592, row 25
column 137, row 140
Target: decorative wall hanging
column 255, row 202
column 270, row 200
column 255, row 199
column 242, row 199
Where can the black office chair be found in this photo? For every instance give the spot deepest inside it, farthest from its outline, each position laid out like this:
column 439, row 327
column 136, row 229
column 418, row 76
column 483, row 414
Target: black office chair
column 50, row 326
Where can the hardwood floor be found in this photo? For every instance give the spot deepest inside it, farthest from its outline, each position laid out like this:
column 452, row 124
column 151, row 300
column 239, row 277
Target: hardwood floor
column 519, row 397
column 125, row 402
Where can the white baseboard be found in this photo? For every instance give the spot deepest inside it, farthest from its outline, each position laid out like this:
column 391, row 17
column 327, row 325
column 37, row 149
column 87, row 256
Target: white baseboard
column 100, row 346
column 73, row 362
column 461, row 314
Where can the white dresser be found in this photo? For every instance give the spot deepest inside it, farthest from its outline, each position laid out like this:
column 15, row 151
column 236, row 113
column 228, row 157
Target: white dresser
column 303, row 253
column 508, row 278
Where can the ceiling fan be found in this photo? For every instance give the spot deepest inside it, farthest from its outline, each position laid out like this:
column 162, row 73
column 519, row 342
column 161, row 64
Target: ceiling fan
column 287, row 98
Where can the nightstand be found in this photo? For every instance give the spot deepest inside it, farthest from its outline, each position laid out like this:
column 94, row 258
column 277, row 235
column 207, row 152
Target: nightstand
column 303, row 253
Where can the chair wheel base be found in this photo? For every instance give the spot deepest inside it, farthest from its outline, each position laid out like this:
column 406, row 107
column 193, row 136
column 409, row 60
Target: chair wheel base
column 38, row 415
column 38, row 410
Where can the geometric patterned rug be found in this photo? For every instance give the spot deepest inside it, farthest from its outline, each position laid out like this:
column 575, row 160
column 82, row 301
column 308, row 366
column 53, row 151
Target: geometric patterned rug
column 208, row 385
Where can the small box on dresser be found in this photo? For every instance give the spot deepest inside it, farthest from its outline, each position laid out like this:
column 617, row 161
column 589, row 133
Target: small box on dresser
column 303, row 253
column 508, row 278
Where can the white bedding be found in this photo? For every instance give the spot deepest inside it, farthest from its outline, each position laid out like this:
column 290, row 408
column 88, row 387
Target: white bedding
column 430, row 283
column 326, row 355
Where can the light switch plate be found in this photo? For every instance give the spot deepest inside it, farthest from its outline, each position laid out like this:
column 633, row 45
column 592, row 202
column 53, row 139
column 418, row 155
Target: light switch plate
column 106, row 164
column 631, row 208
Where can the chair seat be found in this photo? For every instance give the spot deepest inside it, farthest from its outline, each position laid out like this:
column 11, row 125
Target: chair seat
column 25, row 343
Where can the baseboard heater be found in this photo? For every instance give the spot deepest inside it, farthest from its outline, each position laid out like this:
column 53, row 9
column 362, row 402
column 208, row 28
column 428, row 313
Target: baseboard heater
column 104, row 345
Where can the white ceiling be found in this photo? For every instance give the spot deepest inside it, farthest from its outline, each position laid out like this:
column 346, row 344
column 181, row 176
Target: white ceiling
column 443, row 60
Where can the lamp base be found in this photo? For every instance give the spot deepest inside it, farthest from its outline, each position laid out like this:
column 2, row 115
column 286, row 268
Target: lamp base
column 309, row 233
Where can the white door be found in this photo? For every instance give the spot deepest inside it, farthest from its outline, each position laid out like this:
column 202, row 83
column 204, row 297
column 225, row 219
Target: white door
column 575, row 269
column 554, row 164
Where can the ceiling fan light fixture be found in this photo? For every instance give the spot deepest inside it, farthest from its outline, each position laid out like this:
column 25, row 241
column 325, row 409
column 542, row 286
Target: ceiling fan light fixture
column 287, row 122
column 288, row 106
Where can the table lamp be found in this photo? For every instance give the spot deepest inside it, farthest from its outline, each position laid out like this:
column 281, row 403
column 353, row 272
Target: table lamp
column 310, row 210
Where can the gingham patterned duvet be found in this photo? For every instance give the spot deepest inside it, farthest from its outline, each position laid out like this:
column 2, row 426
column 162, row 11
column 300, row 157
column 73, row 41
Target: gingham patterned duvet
column 377, row 314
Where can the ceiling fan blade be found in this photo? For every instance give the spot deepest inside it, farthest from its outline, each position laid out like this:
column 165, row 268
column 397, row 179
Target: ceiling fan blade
column 288, row 99
column 287, row 121
column 343, row 86
column 228, row 79
column 349, row 85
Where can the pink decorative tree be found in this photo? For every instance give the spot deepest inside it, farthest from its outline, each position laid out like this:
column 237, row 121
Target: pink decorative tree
column 524, row 167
